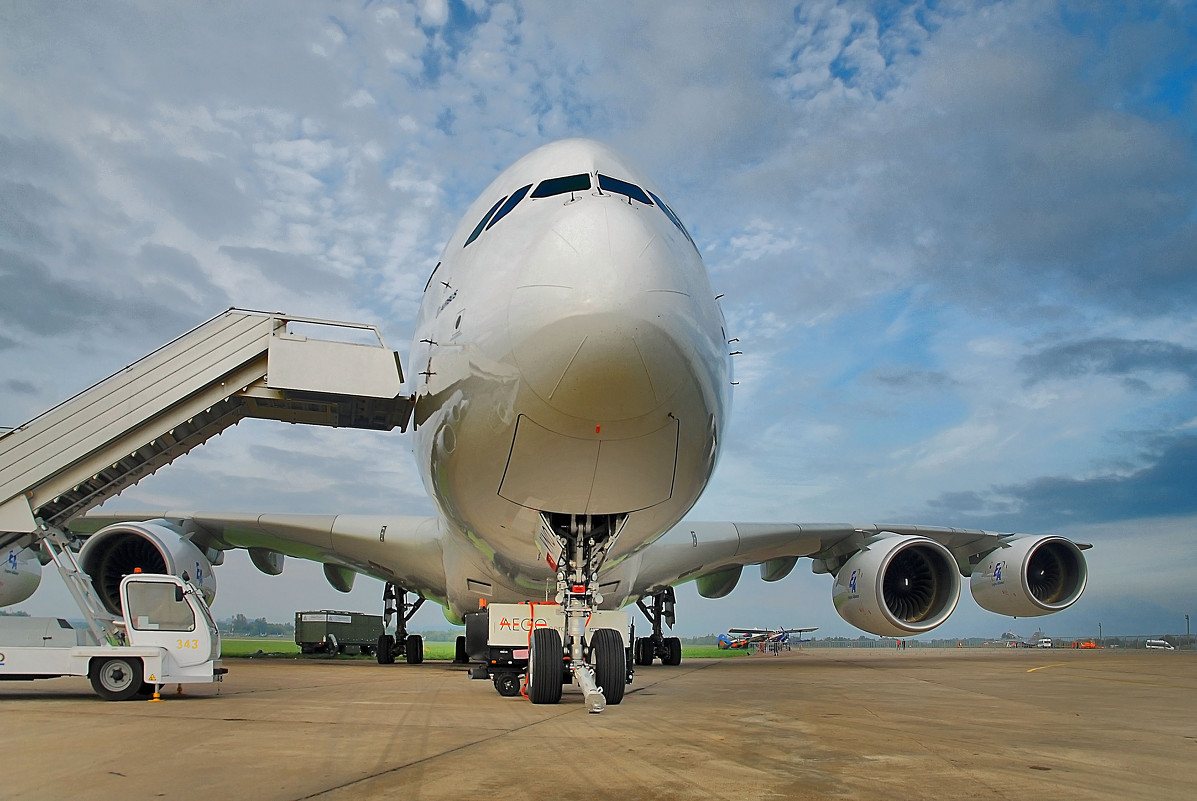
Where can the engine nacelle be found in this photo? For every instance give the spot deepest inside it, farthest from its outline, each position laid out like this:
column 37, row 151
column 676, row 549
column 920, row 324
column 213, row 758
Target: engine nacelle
column 156, row 546
column 1030, row 576
column 899, row 586
column 20, row 574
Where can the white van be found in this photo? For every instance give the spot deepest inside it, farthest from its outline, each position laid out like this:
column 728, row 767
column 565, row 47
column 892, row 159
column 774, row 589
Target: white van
column 1046, row 642
column 1160, row 645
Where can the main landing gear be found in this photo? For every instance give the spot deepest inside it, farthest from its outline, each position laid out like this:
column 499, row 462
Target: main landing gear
column 409, row 646
column 599, row 667
column 656, row 645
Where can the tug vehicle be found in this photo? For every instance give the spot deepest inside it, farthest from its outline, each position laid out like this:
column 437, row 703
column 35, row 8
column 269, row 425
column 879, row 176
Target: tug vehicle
column 165, row 635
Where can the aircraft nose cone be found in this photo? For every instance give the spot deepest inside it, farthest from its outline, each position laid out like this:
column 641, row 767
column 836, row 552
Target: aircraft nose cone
column 595, row 322
column 602, row 366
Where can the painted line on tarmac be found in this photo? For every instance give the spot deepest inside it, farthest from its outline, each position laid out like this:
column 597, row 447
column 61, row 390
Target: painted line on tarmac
column 1045, row 667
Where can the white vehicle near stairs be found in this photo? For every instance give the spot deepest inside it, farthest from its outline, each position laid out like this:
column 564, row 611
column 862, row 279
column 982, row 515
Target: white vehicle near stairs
column 166, row 635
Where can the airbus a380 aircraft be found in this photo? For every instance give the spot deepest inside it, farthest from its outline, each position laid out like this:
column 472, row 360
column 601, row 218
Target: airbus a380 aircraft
column 572, row 380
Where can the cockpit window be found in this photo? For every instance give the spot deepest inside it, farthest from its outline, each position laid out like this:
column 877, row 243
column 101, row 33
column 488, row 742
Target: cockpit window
column 609, row 184
column 482, row 223
column 673, row 217
column 559, row 186
column 511, row 203
column 434, row 269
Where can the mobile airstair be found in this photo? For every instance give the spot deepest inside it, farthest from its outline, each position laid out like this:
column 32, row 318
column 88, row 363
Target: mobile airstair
column 238, row 364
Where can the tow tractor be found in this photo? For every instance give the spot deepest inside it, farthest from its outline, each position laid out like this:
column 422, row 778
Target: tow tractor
column 499, row 636
column 166, row 635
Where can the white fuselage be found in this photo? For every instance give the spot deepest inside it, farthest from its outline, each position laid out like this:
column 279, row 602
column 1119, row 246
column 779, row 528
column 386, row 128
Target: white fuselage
column 570, row 359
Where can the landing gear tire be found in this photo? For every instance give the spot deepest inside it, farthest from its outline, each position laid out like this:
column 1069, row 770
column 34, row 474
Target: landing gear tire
column 643, row 651
column 386, row 649
column 507, row 684
column 414, row 650
column 116, row 679
column 607, row 659
column 545, row 667
column 674, row 646
column 459, row 654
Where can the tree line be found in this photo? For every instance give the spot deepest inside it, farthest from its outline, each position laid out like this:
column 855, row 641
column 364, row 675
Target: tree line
column 258, row 627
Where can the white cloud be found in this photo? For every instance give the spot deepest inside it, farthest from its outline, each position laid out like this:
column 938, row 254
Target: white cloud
column 434, row 13
column 760, row 239
column 360, row 99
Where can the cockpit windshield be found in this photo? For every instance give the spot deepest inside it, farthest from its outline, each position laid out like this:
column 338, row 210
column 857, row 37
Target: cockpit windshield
column 618, row 187
column 673, row 218
column 581, row 182
column 511, row 203
column 559, row 186
column 482, row 223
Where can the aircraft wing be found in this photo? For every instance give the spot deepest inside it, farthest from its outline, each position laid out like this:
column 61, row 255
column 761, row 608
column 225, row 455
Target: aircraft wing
column 714, row 554
column 403, row 550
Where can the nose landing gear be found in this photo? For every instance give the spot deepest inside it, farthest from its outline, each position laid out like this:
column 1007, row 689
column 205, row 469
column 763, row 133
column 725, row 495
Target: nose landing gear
column 581, row 543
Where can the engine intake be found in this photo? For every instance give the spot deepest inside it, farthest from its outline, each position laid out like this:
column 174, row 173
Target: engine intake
column 20, row 575
column 1030, row 576
column 898, row 586
column 155, row 546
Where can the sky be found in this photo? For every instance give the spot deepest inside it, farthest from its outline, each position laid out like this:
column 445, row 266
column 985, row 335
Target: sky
column 957, row 242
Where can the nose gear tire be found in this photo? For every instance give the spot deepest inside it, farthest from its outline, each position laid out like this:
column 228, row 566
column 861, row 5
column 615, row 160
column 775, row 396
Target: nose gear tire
column 545, row 667
column 610, row 665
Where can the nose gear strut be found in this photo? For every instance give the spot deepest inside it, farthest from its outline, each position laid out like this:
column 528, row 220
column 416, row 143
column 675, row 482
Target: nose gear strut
column 583, row 543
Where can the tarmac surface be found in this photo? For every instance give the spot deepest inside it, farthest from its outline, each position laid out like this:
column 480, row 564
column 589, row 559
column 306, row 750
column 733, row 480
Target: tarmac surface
column 819, row 723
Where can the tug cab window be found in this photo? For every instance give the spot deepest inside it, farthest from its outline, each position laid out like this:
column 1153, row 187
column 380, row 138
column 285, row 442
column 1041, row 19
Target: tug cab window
column 158, row 606
column 511, row 203
column 559, row 186
column 482, row 223
column 618, row 187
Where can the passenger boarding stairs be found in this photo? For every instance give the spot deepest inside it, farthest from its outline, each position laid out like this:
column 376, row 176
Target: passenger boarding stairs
column 238, row 364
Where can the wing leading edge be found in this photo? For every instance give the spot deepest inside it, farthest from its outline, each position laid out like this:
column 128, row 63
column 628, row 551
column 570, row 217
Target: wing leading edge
column 402, row 550
column 890, row 579
column 694, row 550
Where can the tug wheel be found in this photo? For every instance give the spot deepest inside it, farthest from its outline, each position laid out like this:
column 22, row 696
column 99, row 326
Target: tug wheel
column 507, row 684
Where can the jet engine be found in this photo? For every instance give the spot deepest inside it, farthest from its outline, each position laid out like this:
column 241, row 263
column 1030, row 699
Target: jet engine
column 155, row 546
column 1030, row 576
column 20, row 574
column 898, row 586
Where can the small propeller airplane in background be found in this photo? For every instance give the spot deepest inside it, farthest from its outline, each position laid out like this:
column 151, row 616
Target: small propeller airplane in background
column 763, row 639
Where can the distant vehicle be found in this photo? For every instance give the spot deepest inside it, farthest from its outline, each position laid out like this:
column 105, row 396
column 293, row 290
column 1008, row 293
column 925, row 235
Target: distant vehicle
column 333, row 632
column 1083, row 644
column 1160, row 645
column 1045, row 642
column 765, row 639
